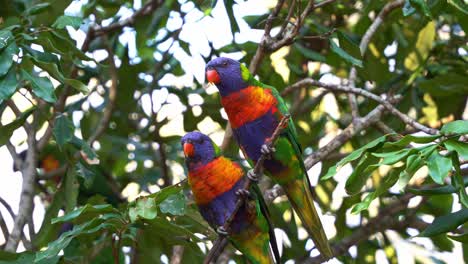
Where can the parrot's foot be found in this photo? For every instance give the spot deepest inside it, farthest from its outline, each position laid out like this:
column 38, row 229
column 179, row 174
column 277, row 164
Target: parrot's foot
column 221, row 231
column 252, row 176
column 244, row 193
column 267, row 150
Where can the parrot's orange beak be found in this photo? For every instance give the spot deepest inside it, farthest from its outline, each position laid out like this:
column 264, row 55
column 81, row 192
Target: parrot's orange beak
column 189, row 150
column 212, row 76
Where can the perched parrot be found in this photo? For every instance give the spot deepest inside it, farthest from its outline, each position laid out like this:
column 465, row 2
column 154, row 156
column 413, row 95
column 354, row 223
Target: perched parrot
column 216, row 183
column 254, row 110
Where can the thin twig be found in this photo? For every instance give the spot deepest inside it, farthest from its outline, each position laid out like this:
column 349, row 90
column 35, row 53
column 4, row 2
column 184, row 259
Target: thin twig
column 106, row 116
column 147, row 9
column 358, row 91
column 363, row 48
column 177, row 255
column 221, row 242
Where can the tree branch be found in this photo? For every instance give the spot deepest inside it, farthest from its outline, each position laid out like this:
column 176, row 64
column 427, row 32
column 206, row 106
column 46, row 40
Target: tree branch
column 358, row 91
column 27, row 193
column 147, row 9
column 221, row 242
column 363, row 47
column 177, row 255
column 106, row 116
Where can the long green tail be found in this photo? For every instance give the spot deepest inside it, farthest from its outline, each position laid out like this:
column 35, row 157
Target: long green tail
column 298, row 192
column 255, row 246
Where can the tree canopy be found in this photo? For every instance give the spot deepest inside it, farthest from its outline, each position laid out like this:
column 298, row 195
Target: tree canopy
column 96, row 94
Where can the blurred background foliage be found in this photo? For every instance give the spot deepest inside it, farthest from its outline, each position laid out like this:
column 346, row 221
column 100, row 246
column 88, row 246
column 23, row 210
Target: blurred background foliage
column 136, row 68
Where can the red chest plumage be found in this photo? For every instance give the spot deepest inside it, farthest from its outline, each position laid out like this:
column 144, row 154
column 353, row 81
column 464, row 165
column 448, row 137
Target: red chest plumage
column 248, row 104
column 214, row 179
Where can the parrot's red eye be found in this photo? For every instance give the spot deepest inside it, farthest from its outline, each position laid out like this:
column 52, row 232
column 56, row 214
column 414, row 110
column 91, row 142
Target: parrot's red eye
column 189, row 150
column 212, row 76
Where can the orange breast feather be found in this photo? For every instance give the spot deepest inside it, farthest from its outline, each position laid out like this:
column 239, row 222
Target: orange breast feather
column 248, row 104
column 214, row 179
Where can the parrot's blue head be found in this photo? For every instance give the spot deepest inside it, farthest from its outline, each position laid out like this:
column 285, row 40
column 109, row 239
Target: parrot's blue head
column 227, row 74
column 198, row 149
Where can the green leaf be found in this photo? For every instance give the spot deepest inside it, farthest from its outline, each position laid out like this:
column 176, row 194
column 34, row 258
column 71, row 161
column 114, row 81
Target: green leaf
column 87, row 174
column 63, row 130
column 145, row 208
column 422, row 47
column 439, row 167
column 413, row 163
column 41, row 86
column 37, row 9
column 406, row 140
column 64, row 21
column 45, row 62
column 458, row 181
column 387, row 182
column 6, row 58
column 360, row 174
column 448, row 189
column 174, row 204
column 8, row 130
column 460, row 238
column 344, row 55
column 374, row 144
column 422, row 5
column 85, row 212
column 64, row 240
column 393, row 157
column 445, row 85
column 8, row 84
column 5, row 38
column 232, row 19
column 455, row 127
column 460, row 5
column 310, row 54
column 71, row 189
column 83, row 146
column 446, row 223
column 460, row 147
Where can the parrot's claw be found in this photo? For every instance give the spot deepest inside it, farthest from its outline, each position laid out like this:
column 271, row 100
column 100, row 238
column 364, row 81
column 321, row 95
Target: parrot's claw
column 244, row 193
column 252, row 176
column 267, row 150
column 221, row 231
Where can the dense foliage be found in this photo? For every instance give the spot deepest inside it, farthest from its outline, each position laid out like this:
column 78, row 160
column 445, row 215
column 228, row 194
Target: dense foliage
column 99, row 93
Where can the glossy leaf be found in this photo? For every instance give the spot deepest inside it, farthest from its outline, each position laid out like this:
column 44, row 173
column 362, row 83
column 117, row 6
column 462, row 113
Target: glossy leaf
column 145, row 208
column 446, row 223
column 439, row 167
column 85, row 212
column 8, row 84
column 8, row 129
column 63, row 129
column 455, row 127
column 174, row 204
column 63, row 21
column 460, row 5
column 355, row 155
column 41, row 86
column 6, row 57
column 344, row 55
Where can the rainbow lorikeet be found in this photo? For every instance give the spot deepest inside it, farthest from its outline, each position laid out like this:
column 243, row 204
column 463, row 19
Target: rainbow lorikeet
column 216, row 182
column 254, row 110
